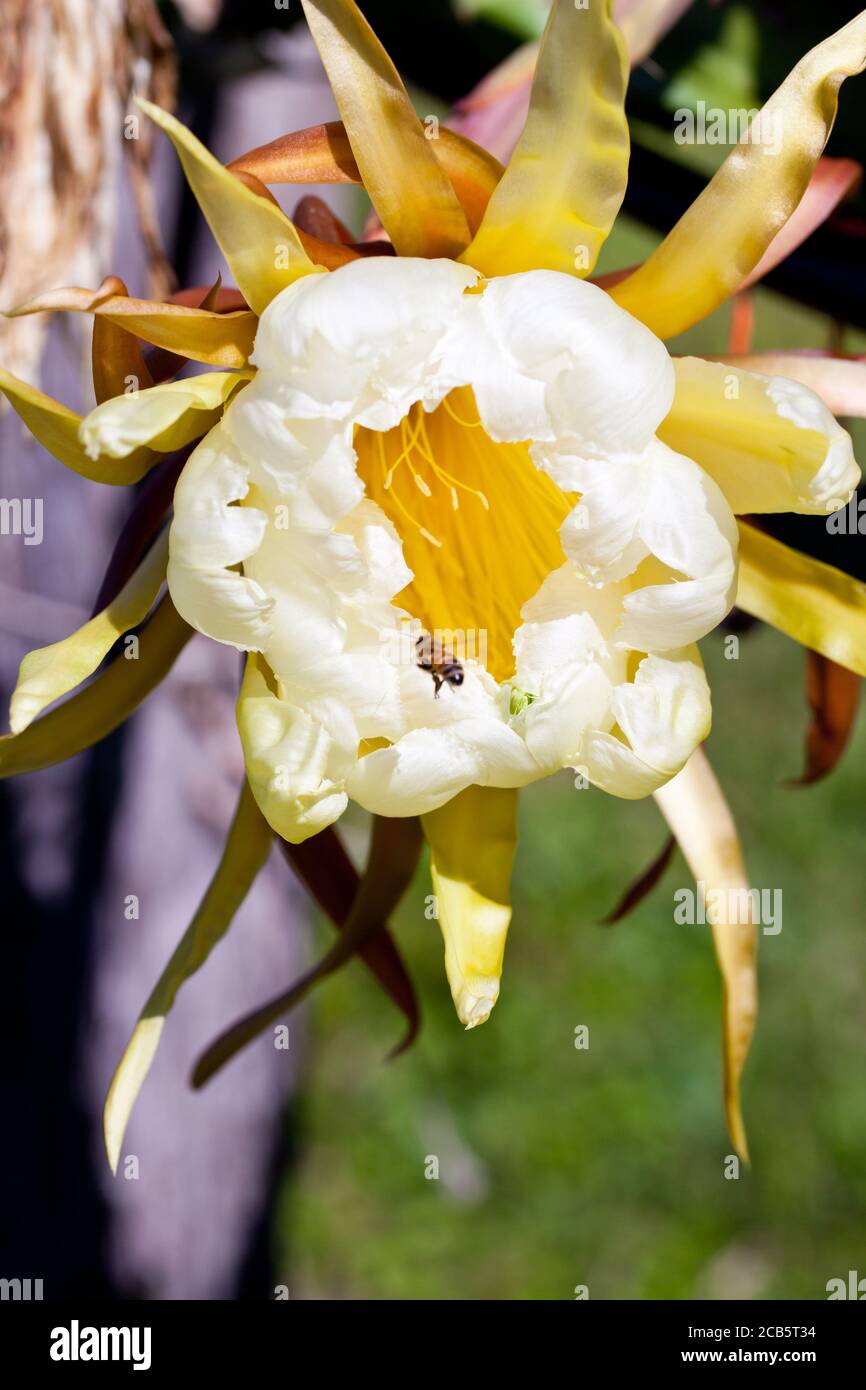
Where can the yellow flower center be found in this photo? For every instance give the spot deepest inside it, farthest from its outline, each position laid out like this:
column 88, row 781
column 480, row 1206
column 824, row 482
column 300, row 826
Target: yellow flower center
column 478, row 522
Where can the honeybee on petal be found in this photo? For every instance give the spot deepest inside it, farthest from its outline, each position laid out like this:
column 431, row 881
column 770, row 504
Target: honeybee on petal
column 442, row 664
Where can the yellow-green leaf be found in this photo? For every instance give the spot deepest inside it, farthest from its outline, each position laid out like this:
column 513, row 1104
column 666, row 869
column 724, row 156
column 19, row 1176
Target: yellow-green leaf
column 49, row 672
column 261, row 247
column 247, row 847
column 814, row 603
column 562, row 189
column 472, row 841
column 408, row 187
column 97, row 710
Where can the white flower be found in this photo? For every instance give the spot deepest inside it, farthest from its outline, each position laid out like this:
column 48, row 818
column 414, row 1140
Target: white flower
column 425, row 452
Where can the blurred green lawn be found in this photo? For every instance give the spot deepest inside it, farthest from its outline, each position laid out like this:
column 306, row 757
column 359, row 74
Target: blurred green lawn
column 605, row 1167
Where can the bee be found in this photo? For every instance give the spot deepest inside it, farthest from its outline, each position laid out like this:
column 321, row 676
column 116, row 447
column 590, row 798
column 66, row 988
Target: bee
column 442, row 664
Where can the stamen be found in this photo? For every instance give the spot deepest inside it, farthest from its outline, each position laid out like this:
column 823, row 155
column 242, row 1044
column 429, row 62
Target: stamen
column 388, row 475
column 441, row 473
column 468, row 424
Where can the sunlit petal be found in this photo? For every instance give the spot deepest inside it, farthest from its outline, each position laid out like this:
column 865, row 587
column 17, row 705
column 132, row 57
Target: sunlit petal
column 261, row 247
column 839, row 381
column 407, row 185
column 472, row 843
column 221, row 340
column 56, row 428
column 723, row 235
column 163, row 417
column 817, row 605
column 322, row 154
column 770, row 444
column 296, row 759
column 564, row 184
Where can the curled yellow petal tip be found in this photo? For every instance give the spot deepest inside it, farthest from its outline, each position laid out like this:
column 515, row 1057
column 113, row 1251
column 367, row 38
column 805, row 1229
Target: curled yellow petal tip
column 472, row 842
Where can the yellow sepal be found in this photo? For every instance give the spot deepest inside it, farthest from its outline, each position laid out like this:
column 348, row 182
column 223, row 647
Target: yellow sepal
column 721, row 238
column 56, row 427
column 407, row 185
column 49, row 672
column 695, row 808
column 472, row 842
column 260, row 244
column 816, row 604
column 98, row 709
column 564, row 184
column 246, row 849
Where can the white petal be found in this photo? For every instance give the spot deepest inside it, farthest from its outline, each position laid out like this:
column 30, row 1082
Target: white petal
column 601, row 535
column 366, row 340
column 209, row 535
column 164, row 417
column 664, row 713
column 296, row 759
column 283, row 449
column 421, row 772
column 555, row 724
column 607, row 379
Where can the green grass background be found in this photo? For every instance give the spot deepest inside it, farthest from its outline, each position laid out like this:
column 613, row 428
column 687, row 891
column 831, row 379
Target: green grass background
column 605, row 1167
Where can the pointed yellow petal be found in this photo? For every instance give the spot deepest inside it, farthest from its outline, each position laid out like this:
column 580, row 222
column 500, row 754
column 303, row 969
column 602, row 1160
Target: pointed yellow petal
column 563, row 187
column 695, row 808
column 55, row 426
column 49, row 672
column 247, row 847
column 472, row 842
column 103, row 705
column 721, row 238
column 408, row 187
column 221, row 340
column 322, row 154
column 163, row 417
column 261, row 247
column 814, row 603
